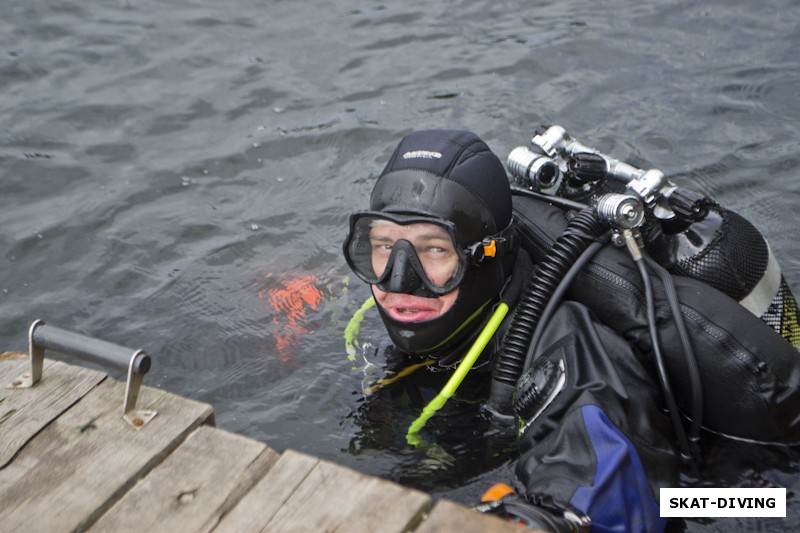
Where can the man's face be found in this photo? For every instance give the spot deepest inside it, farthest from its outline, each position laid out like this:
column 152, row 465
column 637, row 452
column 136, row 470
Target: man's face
column 438, row 257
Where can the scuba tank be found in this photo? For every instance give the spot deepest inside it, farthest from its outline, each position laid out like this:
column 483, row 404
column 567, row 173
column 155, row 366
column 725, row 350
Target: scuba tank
column 720, row 350
column 686, row 232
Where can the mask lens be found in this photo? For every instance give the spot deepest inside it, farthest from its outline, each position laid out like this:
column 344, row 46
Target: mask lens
column 373, row 249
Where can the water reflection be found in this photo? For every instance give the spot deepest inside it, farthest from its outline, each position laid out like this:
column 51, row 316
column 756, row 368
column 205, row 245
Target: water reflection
column 143, row 143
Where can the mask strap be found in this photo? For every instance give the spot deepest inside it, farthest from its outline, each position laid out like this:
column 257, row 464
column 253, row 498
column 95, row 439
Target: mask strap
column 493, row 246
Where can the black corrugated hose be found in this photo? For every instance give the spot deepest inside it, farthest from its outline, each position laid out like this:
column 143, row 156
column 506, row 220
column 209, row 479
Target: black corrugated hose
column 582, row 230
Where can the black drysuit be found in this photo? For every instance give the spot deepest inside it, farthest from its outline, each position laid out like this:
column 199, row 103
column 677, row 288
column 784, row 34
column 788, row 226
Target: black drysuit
column 598, row 441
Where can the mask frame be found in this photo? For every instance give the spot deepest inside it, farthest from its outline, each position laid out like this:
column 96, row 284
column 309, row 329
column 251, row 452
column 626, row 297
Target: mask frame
column 404, row 272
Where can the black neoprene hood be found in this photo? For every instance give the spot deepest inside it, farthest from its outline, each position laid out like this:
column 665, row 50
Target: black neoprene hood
column 450, row 175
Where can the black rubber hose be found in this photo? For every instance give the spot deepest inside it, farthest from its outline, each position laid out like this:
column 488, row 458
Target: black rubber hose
column 558, row 296
column 583, row 229
column 691, row 360
column 663, row 378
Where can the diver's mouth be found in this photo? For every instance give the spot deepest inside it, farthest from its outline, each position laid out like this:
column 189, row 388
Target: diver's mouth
column 407, row 308
column 412, row 314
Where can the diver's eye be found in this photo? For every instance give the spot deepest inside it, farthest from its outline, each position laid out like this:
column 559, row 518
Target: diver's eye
column 382, row 247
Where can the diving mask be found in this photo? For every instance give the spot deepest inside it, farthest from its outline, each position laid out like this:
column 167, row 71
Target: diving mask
column 412, row 254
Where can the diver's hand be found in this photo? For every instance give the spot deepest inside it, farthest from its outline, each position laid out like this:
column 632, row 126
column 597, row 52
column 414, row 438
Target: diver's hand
column 501, row 500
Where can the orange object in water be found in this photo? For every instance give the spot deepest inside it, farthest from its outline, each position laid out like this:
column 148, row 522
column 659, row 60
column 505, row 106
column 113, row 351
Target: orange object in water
column 291, row 300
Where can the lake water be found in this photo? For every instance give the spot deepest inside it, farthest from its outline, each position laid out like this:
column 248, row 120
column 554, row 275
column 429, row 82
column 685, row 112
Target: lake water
column 177, row 175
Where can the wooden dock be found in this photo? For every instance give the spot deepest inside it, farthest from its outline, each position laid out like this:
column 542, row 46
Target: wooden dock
column 69, row 462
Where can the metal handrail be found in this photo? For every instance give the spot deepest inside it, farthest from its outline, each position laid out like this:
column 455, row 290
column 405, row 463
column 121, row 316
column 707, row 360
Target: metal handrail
column 136, row 363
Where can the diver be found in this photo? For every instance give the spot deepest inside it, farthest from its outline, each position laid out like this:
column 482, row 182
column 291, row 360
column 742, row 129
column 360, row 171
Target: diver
column 455, row 265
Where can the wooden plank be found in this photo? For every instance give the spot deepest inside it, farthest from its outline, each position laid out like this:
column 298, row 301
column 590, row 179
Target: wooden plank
column 302, row 493
column 198, row 483
column 80, row 464
column 25, row 412
column 334, row 498
column 449, row 516
column 258, row 507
